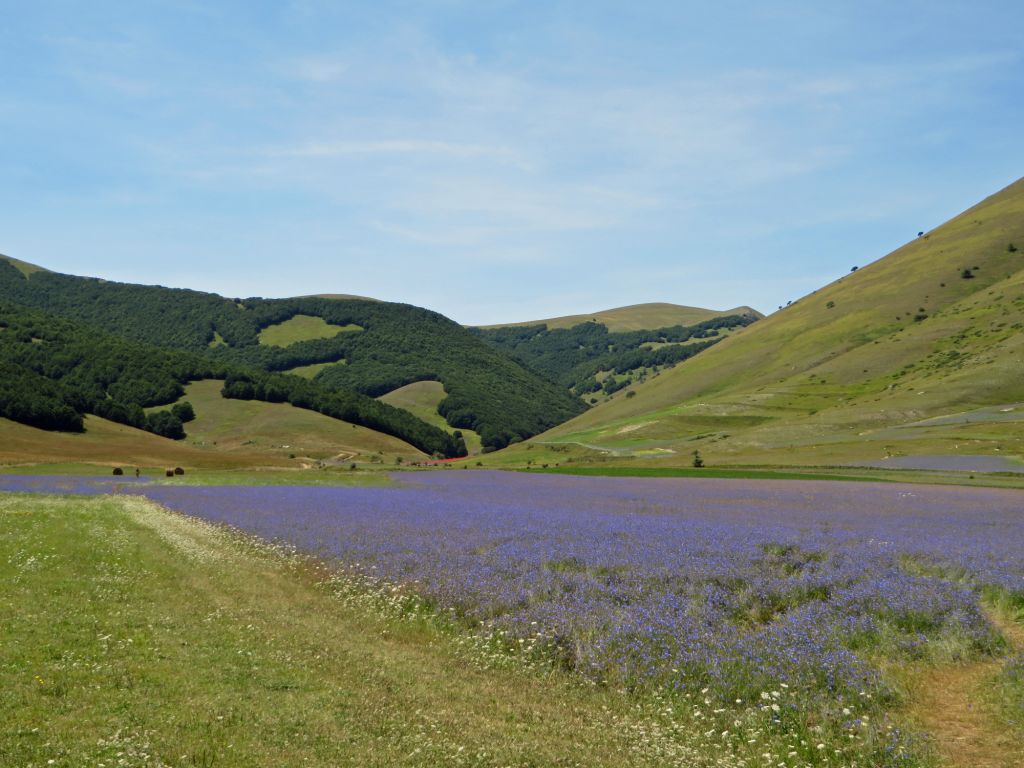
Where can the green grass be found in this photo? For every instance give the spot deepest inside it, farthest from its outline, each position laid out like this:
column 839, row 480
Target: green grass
column 310, row 371
column 738, row 473
column 226, row 435
column 290, row 436
column 421, row 399
column 132, row 636
column 374, row 476
column 107, row 444
column 302, row 328
column 636, row 317
column 23, row 266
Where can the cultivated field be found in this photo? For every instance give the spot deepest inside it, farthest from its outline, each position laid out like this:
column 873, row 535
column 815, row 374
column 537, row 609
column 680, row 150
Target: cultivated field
column 685, row 622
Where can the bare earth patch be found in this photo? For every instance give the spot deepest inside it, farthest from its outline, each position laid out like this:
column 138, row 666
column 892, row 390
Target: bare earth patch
column 634, row 427
column 949, row 703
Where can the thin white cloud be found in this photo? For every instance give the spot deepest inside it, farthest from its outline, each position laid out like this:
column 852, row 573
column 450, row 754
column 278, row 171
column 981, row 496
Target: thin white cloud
column 328, row 149
column 316, row 69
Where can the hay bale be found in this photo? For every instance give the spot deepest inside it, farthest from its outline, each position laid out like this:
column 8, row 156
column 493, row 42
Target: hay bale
column 179, row 471
column 118, row 471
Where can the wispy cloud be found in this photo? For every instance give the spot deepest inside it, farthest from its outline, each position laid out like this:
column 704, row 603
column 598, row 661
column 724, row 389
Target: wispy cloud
column 316, row 69
column 453, row 133
column 328, row 149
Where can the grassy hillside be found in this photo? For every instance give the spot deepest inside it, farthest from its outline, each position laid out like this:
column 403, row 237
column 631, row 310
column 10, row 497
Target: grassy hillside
column 398, row 344
column 22, row 266
column 422, row 399
column 636, row 317
column 282, row 433
column 872, row 365
column 110, row 444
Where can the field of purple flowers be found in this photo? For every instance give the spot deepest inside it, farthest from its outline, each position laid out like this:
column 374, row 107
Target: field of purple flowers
column 787, row 596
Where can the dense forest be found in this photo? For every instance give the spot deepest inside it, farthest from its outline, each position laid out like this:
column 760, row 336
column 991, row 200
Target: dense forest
column 575, row 356
column 53, row 371
column 488, row 391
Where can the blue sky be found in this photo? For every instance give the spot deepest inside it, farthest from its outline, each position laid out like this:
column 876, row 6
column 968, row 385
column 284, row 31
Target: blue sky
column 500, row 161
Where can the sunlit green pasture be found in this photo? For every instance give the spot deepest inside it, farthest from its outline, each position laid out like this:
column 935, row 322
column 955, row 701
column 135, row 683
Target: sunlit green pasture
column 302, row 328
column 421, row 399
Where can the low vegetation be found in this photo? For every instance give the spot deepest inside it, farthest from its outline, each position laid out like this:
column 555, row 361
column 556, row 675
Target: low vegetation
column 586, row 630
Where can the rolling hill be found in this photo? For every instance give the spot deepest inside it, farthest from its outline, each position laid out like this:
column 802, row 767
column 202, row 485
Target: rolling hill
column 920, row 352
column 342, row 345
column 636, row 317
column 422, row 399
column 593, row 362
column 54, row 373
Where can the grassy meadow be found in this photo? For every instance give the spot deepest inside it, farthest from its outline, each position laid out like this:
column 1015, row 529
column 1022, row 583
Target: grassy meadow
column 302, row 328
column 226, row 435
column 421, row 399
column 288, row 435
column 635, row 317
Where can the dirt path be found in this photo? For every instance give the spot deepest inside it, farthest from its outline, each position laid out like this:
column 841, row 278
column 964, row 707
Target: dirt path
column 949, row 703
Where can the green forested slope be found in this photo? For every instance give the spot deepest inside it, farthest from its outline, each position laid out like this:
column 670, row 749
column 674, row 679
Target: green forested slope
column 53, row 371
column 487, row 391
column 575, row 356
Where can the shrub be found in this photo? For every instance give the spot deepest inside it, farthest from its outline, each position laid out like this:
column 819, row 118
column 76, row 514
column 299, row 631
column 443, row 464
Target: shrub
column 165, row 424
column 118, row 471
column 184, row 412
column 179, row 471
